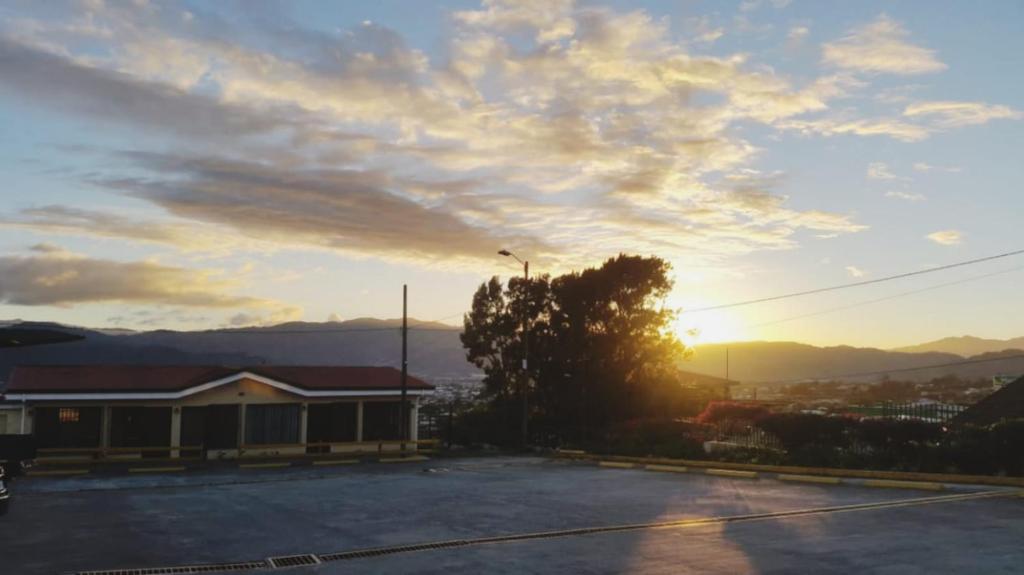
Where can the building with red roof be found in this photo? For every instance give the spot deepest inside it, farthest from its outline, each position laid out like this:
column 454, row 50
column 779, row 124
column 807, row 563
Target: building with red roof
column 212, row 411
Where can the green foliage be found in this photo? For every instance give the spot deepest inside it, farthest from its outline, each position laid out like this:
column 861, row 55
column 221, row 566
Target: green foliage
column 796, row 431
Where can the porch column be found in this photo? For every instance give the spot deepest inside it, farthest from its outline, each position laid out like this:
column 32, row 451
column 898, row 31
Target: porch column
column 303, row 422
column 241, row 428
column 359, row 421
column 105, row 425
column 175, row 430
column 414, row 421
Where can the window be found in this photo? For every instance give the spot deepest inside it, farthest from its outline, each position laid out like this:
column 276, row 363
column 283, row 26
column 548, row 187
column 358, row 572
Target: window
column 272, row 423
column 69, row 415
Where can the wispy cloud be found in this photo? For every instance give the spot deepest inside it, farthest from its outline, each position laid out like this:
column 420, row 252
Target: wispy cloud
column 855, row 272
column 908, row 196
column 880, row 47
column 53, row 276
column 926, row 167
column 946, row 237
column 950, row 114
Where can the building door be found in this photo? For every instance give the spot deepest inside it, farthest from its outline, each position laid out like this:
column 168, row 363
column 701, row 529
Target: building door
column 144, row 427
column 221, row 426
column 330, row 423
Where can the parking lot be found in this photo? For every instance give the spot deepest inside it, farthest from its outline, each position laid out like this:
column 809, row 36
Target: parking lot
column 544, row 516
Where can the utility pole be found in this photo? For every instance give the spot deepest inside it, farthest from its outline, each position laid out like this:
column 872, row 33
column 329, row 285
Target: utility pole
column 403, row 410
column 525, row 384
column 526, row 353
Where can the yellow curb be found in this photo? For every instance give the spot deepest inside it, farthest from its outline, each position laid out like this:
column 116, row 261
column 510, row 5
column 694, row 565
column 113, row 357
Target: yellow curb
column 154, row 469
column 615, row 464
column 336, row 462
column 732, row 473
column 57, row 472
column 572, row 451
column 672, row 468
column 929, row 485
column 402, row 459
column 810, row 479
column 261, row 465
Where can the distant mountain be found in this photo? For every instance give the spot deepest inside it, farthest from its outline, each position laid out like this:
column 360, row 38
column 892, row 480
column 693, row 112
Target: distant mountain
column 965, row 346
column 788, row 361
column 435, row 352
column 434, row 349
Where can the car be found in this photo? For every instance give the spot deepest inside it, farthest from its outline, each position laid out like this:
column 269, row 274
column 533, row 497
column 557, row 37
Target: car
column 5, row 493
column 17, row 453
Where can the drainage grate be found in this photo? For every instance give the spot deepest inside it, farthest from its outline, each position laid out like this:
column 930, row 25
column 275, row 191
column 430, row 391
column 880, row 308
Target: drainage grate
column 293, row 560
column 181, row 570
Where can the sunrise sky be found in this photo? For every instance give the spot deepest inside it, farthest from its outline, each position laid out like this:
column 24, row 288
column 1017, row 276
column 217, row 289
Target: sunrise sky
column 194, row 165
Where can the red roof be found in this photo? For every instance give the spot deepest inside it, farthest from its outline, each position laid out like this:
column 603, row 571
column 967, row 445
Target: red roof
column 145, row 378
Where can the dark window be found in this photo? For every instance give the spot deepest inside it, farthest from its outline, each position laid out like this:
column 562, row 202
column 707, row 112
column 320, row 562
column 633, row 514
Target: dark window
column 140, row 427
column 331, row 422
column 272, row 424
column 67, row 426
column 380, row 420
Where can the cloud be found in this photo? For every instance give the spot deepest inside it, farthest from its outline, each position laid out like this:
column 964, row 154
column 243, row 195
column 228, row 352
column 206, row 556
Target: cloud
column 186, row 235
column 896, row 129
column 880, row 47
column 855, row 272
column 925, row 167
column 546, row 127
column 345, row 210
column 60, row 278
column 949, row 114
column 880, row 171
column 946, row 237
column 908, row 196
column 796, row 36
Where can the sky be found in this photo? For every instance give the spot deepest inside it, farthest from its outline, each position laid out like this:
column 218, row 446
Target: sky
column 193, row 165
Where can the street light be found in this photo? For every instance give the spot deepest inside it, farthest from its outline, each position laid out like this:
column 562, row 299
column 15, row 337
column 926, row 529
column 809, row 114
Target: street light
column 524, row 386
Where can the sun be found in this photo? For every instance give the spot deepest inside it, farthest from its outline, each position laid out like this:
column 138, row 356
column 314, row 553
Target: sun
column 715, row 326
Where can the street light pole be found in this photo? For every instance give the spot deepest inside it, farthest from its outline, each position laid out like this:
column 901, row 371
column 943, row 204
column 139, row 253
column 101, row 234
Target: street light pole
column 525, row 384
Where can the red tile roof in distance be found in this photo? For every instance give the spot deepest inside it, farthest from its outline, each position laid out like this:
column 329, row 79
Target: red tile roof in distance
column 139, row 378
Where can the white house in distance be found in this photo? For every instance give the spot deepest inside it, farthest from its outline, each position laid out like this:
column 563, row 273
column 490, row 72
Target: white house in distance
column 210, row 411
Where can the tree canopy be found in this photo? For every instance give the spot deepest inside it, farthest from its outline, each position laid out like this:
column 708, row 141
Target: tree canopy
column 602, row 348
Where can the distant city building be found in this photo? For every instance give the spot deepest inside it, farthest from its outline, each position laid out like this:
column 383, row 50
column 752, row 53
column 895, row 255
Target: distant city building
column 208, row 411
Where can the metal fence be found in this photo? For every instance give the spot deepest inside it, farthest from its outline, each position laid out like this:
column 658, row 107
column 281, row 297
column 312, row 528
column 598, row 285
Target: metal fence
column 934, row 412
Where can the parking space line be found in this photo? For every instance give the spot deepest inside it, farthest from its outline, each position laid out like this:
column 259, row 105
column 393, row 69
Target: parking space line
column 735, row 473
column 669, row 468
column 615, row 464
column 822, row 479
column 891, row 483
column 262, row 465
column 55, row 472
column 401, row 459
column 155, row 469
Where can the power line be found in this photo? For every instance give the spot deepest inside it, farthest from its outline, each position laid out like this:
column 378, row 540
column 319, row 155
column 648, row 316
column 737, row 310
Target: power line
column 885, row 298
column 854, row 284
column 907, row 369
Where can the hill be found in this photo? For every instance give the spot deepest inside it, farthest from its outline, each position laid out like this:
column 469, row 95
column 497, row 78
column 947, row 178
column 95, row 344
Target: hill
column 788, row 361
column 436, row 353
column 965, row 346
column 434, row 349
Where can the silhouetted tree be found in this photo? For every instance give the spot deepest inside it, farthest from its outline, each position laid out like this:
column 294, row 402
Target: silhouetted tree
column 601, row 345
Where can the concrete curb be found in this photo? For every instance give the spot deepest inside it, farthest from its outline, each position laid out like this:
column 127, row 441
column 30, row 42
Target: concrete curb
column 818, row 476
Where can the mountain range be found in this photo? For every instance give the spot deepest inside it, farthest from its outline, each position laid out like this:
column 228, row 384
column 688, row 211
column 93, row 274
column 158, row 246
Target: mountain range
column 436, row 353
column 965, row 346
